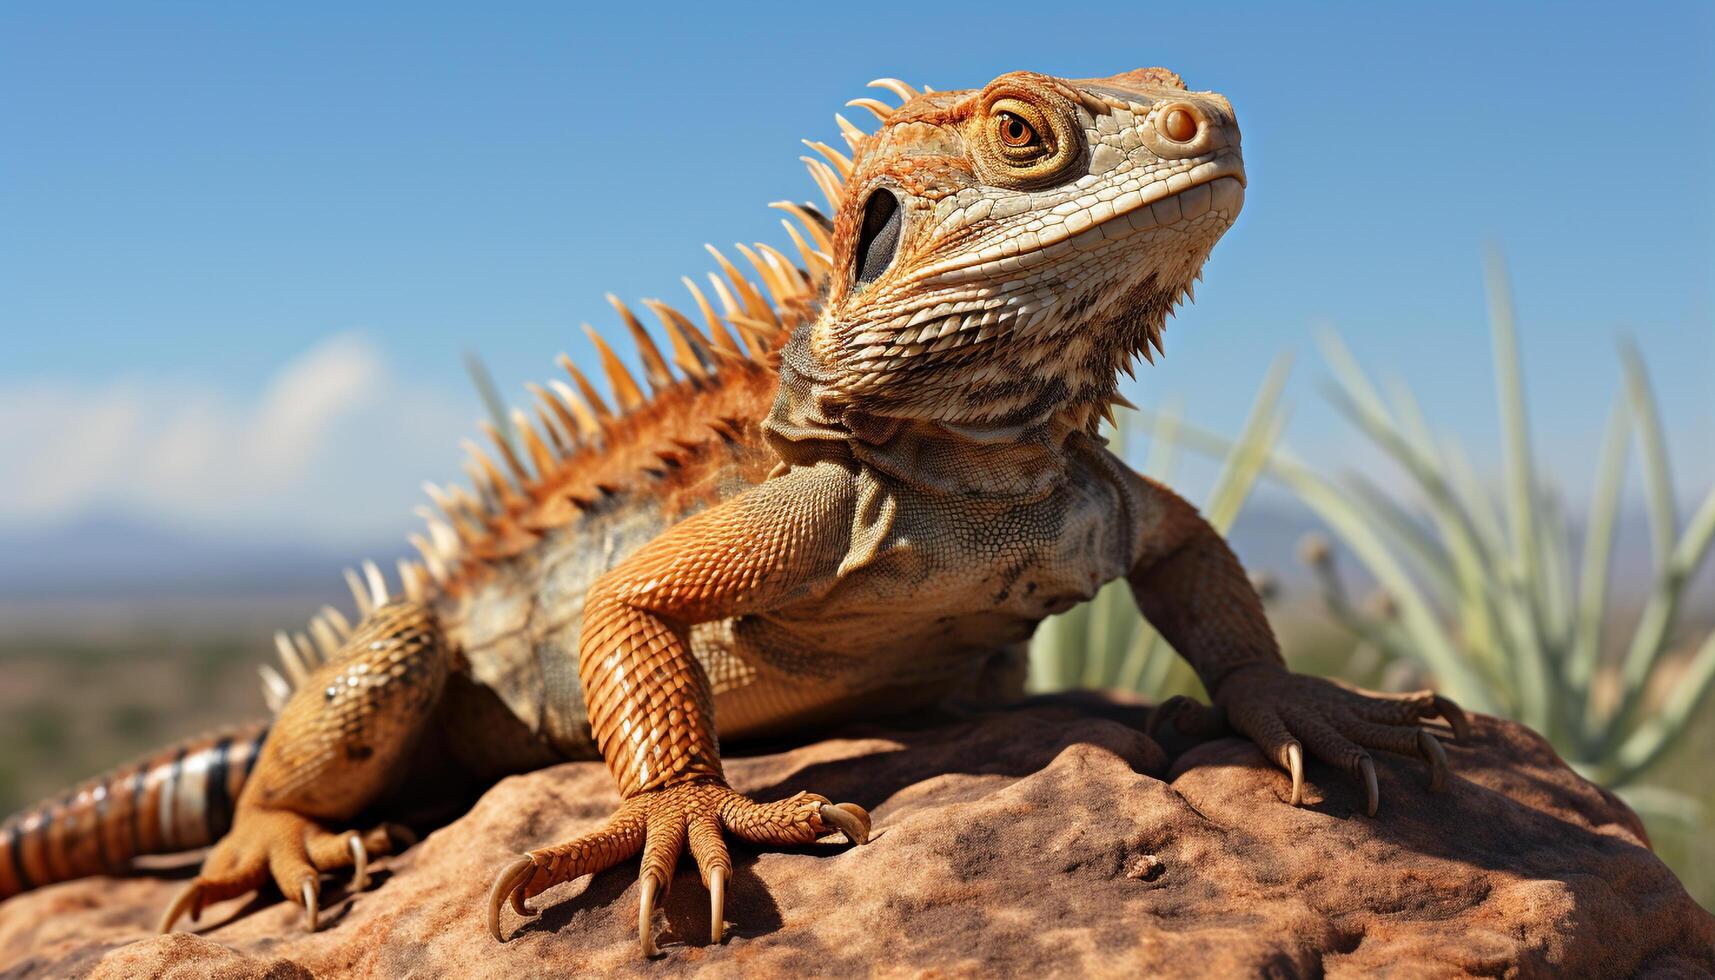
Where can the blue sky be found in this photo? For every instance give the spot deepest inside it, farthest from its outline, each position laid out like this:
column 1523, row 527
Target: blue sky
column 242, row 246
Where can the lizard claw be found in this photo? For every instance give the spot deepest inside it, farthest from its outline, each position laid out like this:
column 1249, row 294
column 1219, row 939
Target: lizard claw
column 1295, row 765
column 717, row 905
column 509, row 884
column 359, row 862
column 1372, row 793
column 849, row 819
column 1454, row 716
column 190, row 899
column 645, row 918
column 1431, row 748
column 312, row 911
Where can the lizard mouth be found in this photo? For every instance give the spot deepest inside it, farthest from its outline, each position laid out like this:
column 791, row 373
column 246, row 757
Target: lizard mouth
column 1216, row 185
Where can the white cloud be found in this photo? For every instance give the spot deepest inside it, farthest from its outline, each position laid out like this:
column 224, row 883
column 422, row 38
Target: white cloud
column 330, row 448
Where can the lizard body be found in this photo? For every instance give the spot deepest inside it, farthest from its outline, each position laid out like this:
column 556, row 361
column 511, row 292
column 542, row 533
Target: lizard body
column 870, row 480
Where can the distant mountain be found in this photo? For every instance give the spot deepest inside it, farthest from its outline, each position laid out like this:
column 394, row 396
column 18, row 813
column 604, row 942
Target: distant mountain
column 116, row 556
column 1267, row 535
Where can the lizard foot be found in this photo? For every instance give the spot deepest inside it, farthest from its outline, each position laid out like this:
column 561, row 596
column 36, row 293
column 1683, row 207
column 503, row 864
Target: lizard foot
column 292, row 849
column 1285, row 713
column 658, row 823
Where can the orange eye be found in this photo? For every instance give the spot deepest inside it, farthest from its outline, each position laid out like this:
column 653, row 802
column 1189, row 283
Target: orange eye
column 1179, row 126
column 1015, row 132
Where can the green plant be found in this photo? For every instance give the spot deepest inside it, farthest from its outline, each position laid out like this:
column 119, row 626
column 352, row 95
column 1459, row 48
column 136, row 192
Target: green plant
column 1487, row 601
column 1105, row 643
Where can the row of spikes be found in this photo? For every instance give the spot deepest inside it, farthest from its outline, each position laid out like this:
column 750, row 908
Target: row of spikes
column 1152, row 337
column 751, row 320
column 509, row 479
column 301, row 653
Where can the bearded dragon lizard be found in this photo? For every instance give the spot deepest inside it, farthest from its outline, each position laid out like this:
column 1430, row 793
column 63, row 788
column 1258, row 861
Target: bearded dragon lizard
column 875, row 472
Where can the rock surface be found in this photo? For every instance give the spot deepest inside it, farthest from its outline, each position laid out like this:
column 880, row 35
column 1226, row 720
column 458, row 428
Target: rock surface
column 1049, row 838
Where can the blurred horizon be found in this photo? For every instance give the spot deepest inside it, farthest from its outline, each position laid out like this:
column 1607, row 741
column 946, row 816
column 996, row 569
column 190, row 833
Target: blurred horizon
column 244, row 251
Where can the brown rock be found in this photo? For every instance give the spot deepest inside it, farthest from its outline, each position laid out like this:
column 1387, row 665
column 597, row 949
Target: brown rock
column 1034, row 840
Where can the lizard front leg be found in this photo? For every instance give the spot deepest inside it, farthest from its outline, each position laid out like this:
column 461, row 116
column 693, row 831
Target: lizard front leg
column 1190, row 586
column 335, row 748
column 651, row 707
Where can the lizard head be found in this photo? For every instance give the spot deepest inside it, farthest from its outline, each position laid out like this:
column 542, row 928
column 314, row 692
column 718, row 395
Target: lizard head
column 1001, row 253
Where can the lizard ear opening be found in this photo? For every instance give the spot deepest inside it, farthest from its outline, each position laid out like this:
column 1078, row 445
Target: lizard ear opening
column 879, row 238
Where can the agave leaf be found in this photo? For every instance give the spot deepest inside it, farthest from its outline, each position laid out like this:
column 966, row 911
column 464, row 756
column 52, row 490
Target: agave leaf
column 1179, row 678
column 1535, row 694
column 1163, row 447
column 1532, row 683
column 1521, row 486
column 1650, row 639
column 1145, row 661
column 1480, row 619
column 1598, row 550
column 1522, row 493
column 1556, row 587
column 1244, row 464
column 1428, row 555
column 1056, row 651
column 1426, row 469
column 1478, row 605
column 1353, row 382
column 1658, row 481
column 1484, row 522
column 1073, row 628
column 1660, row 803
column 1112, row 620
column 1042, row 668
column 1647, row 743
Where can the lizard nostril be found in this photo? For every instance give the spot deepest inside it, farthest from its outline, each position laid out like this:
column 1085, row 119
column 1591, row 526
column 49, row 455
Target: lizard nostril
column 1179, row 124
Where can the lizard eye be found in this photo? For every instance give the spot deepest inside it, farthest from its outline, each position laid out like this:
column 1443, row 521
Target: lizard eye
column 1015, row 132
column 1025, row 138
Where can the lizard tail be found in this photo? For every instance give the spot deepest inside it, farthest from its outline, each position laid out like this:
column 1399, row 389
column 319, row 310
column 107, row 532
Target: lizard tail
column 176, row 799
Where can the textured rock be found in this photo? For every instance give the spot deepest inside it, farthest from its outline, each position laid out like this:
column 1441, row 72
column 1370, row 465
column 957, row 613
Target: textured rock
column 1039, row 839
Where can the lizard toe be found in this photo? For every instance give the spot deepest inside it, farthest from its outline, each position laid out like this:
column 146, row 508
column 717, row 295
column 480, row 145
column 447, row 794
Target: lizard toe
column 659, row 824
column 537, row 871
column 1187, row 716
column 294, row 850
column 238, row 864
column 1288, row 715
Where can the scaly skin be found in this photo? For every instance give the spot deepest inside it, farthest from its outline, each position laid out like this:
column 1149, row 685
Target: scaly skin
column 868, row 488
column 936, row 426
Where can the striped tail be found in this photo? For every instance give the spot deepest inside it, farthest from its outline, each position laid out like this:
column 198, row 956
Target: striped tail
column 174, row 800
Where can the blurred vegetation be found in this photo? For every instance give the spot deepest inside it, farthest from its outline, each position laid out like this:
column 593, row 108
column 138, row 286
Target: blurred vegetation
column 1483, row 603
column 80, row 696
